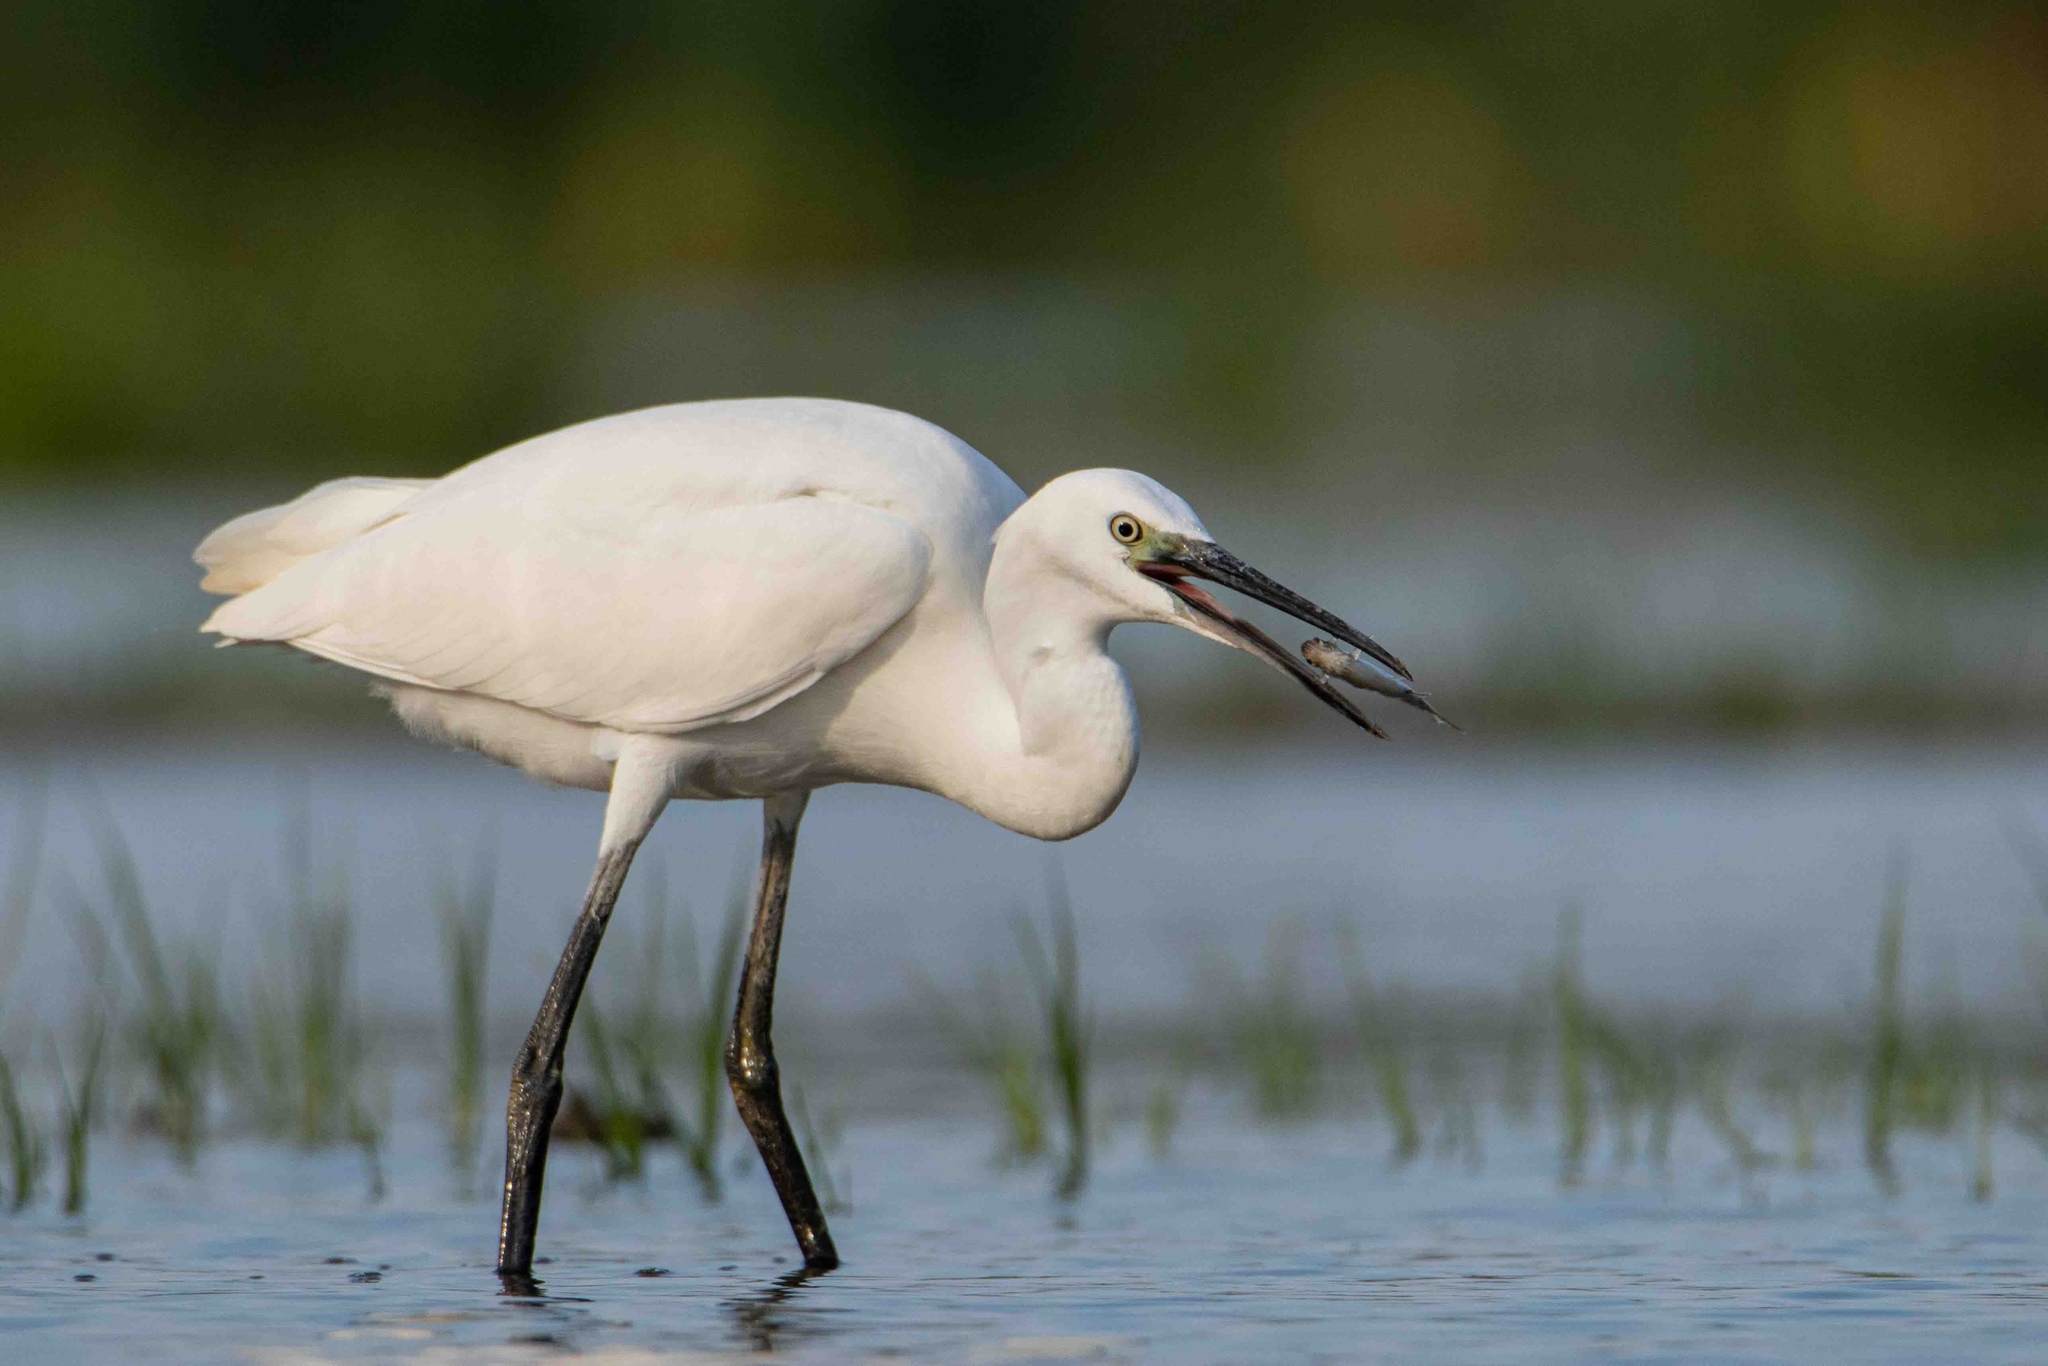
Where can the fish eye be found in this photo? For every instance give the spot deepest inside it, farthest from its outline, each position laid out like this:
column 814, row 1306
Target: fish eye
column 1127, row 528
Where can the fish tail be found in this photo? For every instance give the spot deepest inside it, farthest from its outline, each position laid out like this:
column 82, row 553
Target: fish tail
column 1417, row 700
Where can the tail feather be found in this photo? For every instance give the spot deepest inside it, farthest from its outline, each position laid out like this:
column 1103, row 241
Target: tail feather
column 256, row 547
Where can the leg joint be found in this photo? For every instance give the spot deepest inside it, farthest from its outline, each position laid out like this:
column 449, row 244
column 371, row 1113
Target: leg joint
column 534, row 1067
column 540, row 1094
column 749, row 1068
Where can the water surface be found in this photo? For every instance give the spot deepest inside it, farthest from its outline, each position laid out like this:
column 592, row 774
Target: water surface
column 1706, row 882
column 1245, row 1244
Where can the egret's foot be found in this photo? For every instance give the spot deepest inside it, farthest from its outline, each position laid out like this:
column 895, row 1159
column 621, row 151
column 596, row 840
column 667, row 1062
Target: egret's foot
column 520, row 1285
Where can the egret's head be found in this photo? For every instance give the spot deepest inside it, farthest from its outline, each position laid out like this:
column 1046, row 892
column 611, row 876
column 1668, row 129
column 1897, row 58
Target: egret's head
column 1138, row 550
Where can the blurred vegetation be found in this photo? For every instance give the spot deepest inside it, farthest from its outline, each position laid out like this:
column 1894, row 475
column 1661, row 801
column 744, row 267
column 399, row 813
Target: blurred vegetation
column 1051, row 1054
column 289, row 239
column 465, row 909
column 1636, row 1083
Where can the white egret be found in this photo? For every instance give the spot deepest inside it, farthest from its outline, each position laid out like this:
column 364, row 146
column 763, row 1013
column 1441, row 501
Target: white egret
column 747, row 599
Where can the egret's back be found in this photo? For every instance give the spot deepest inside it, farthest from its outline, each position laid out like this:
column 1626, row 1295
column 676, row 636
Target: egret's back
column 657, row 571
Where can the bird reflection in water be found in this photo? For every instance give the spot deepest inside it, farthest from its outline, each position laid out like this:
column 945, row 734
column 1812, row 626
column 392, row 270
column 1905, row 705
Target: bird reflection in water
column 771, row 1315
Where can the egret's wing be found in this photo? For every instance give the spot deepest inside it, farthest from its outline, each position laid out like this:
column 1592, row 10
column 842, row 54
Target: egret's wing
column 651, row 620
column 258, row 546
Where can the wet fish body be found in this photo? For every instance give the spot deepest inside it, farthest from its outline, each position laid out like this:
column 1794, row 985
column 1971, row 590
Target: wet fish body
column 1361, row 671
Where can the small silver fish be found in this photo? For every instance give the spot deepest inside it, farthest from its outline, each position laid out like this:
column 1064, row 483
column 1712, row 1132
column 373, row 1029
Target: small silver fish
column 1361, row 671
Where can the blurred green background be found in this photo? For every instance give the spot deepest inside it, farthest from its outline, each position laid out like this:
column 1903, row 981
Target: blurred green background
column 1546, row 262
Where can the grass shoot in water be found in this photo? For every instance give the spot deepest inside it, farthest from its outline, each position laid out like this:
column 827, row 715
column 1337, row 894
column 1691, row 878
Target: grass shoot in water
column 605, row 1112
column 1163, row 1106
column 709, row 984
column 1371, row 1017
column 1920, row 1085
column 1714, row 1093
column 79, row 1107
column 1021, row 1069
column 309, row 1040
column 995, row 1048
column 1794, row 1095
column 27, row 1150
column 1888, row 1034
column 1987, row 1126
column 1007, row 1060
column 1638, row 1076
column 1527, row 1024
column 465, row 914
column 1458, row 1132
column 177, row 1029
column 1574, row 1086
column 1054, row 975
column 1272, row 1036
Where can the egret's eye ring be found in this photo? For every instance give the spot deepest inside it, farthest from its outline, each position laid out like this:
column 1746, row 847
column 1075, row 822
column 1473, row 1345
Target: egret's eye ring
column 1127, row 528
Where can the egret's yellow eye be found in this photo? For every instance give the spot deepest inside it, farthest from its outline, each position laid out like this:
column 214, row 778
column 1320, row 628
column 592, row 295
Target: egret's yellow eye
column 1127, row 528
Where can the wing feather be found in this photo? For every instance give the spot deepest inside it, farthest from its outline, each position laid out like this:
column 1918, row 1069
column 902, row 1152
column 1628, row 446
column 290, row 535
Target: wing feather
column 662, row 621
column 258, row 546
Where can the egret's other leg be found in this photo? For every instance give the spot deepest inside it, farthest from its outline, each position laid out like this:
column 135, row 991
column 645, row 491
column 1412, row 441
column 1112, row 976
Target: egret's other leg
column 749, row 1052
column 638, row 794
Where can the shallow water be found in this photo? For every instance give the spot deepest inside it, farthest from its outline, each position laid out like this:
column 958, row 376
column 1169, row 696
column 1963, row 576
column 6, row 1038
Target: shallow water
column 1246, row 1243
column 1753, row 875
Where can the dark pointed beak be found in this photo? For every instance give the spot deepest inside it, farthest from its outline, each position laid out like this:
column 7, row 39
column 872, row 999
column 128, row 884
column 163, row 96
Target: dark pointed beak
column 1178, row 566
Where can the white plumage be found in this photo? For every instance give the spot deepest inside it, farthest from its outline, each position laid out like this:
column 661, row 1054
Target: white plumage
column 752, row 598
column 669, row 586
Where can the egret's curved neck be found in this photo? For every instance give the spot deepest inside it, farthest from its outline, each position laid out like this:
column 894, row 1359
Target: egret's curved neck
column 1075, row 743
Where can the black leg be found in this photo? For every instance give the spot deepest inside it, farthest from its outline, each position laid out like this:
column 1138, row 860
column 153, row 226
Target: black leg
column 537, row 1075
column 750, row 1053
